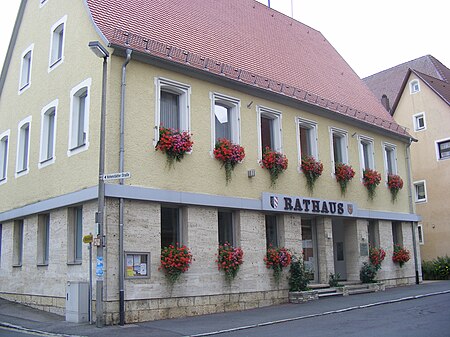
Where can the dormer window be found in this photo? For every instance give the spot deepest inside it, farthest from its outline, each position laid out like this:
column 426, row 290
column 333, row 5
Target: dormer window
column 414, row 86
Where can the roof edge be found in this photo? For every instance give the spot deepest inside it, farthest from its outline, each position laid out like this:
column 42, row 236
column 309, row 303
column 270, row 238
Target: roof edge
column 220, row 70
column 420, row 75
column 405, row 80
column 12, row 43
column 97, row 29
column 124, row 39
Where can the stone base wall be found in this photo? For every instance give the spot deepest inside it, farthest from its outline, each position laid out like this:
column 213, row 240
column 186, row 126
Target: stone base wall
column 55, row 305
column 166, row 308
column 303, row 296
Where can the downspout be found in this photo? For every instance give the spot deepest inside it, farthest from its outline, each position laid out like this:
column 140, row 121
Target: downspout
column 411, row 208
column 121, row 201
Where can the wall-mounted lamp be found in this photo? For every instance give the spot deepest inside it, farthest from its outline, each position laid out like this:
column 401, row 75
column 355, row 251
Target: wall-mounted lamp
column 251, row 173
column 249, row 105
column 354, row 134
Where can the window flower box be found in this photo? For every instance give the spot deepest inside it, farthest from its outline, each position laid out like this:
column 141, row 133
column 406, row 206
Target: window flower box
column 229, row 154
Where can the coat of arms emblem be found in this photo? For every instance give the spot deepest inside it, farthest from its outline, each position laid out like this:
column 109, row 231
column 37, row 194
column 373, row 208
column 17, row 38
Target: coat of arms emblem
column 274, row 202
column 350, row 208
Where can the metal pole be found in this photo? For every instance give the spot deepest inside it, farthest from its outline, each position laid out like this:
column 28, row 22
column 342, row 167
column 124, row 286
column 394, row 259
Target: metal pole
column 90, row 283
column 121, row 201
column 101, row 205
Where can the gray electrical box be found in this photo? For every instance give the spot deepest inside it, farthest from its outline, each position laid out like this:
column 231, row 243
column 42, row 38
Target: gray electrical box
column 77, row 302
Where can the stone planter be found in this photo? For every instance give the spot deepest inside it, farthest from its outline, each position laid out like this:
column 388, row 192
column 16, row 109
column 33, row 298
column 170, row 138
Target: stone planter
column 303, row 296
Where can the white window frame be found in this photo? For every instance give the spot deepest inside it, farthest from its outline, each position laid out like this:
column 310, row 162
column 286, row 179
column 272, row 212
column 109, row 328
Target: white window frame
column 75, row 241
column 420, row 234
column 234, row 105
column 74, row 148
column 313, row 138
column 412, row 89
column 45, row 158
column 24, row 86
column 438, row 155
column 343, row 134
column 20, row 170
column 416, row 125
column 52, row 62
column 364, row 139
column 424, row 183
column 276, row 116
column 393, row 149
column 4, row 156
column 184, row 92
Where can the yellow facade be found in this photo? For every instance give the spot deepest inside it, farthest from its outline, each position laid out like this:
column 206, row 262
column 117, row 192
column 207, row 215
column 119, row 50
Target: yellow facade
column 426, row 165
column 196, row 186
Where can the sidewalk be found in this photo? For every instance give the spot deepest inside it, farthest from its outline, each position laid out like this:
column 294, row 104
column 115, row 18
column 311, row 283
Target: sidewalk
column 17, row 316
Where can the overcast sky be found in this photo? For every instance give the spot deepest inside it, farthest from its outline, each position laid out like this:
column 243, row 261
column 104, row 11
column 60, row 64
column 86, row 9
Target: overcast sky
column 370, row 35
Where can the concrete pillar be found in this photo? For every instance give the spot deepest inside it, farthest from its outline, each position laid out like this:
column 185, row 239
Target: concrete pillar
column 356, row 246
column 293, row 233
column 325, row 248
column 388, row 268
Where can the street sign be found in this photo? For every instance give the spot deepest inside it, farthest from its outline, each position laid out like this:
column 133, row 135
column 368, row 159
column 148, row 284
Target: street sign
column 120, row 175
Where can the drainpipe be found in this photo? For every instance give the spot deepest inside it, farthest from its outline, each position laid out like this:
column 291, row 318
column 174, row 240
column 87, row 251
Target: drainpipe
column 411, row 208
column 121, row 201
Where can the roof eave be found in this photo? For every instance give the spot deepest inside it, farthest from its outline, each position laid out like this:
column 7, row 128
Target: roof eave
column 119, row 50
column 12, row 43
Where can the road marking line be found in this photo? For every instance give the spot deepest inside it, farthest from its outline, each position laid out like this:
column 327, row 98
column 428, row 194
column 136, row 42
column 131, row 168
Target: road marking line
column 337, row 311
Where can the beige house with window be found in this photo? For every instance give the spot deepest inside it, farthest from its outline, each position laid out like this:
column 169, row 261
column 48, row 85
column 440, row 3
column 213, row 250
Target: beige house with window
column 251, row 79
column 423, row 106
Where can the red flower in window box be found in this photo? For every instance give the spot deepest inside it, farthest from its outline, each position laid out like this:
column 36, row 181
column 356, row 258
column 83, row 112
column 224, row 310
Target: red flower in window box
column 277, row 259
column 229, row 154
column 371, row 179
column 229, row 259
column 174, row 144
column 395, row 184
column 175, row 260
column 400, row 255
column 376, row 256
column 275, row 162
column 312, row 169
column 343, row 173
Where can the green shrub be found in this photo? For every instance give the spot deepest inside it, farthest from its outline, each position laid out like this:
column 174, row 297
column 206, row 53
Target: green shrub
column 333, row 280
column 428, row 270
column 298, row 275
column 368, row 273
column 442, row 267
column 437, row 269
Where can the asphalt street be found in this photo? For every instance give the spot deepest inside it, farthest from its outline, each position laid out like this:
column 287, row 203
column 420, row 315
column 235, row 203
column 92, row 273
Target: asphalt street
column 416, row 310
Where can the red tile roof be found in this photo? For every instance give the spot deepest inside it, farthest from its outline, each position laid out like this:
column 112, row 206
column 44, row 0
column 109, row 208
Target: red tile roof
column 442, row 88
column 389, row 82
column 246, row 41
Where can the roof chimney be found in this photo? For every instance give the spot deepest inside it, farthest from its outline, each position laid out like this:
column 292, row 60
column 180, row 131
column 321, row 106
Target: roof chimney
column 385, row 102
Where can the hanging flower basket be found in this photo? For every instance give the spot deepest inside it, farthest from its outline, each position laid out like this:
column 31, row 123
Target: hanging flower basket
column 275, row 162
column 344, row 173
column 229, row 259
column 175, row 260
column 395, row 184
column 174, row 144
column 229, row 154
column 376, row 257
column 400, row 255
column 371, row 179
column 277, row 259
column 312, row 169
